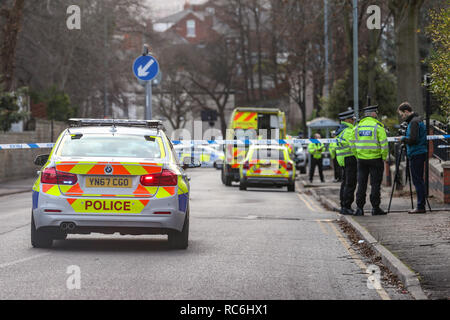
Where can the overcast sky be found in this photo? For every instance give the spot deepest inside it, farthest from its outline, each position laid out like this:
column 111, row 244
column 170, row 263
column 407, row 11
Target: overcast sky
column 162, row 8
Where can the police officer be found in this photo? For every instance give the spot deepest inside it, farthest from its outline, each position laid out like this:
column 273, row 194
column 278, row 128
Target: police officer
column 316, row 149
column 416, row 147
column 371, row 149
column 347, row 160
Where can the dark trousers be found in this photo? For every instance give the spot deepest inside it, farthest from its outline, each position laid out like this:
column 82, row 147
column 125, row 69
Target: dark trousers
column 314, row 163
column 337, row 170
column 348, row 185
column 416, row 164
column 373, row 168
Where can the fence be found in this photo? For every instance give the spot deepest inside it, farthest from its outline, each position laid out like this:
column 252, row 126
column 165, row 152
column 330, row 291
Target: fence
column 440, row 147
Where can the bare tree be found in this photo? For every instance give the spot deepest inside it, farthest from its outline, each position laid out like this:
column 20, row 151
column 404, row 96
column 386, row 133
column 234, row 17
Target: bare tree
column 406, row 19
column 13, row 16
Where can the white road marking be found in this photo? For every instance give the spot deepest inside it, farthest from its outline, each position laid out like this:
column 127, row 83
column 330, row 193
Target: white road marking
column 381, row 292
column 12, row 263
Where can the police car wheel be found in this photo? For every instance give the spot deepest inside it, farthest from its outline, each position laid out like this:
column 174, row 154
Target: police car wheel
column 180, row 240
column 303, row 170
column 291, row 187
column 226, row 179
column 242, row 186
column 39, row 238
column 223, row 176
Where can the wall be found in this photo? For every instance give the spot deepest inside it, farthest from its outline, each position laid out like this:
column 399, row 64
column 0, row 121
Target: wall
column 440, row 180
column 17, row 164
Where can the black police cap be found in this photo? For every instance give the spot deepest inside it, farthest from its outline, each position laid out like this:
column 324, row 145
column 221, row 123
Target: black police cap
column 370, row 109
column 346, row 115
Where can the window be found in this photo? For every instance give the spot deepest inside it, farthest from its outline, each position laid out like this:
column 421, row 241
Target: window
column 268, row 154
column 190, row 26
column 106, row 145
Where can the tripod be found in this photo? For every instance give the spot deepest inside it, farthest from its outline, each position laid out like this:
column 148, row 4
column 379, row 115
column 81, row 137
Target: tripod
column 408, row 178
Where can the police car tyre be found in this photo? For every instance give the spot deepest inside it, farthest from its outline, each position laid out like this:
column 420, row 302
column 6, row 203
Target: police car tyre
column 303, row 170
column 242, row 185
column 226, row 179
column 40, row 238
column 291, row 187
column 180, row 240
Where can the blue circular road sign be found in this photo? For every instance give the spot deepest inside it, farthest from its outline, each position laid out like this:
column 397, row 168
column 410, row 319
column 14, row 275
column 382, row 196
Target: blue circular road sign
column 146, row 68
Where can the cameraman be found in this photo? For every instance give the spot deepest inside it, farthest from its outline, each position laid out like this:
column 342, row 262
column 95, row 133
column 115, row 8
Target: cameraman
column 416, row 146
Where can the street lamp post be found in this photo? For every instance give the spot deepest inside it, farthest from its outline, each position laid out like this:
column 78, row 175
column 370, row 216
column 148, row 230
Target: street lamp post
column 355, row 60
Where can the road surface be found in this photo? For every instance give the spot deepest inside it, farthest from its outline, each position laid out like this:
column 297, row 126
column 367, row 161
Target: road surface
column 255, row 244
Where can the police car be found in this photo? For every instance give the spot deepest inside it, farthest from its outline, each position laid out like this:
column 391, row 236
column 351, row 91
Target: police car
column 208, row 156
column 267, row 165
column 108, row 176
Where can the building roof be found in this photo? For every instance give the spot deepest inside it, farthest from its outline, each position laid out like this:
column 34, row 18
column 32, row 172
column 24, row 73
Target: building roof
column 322, row 123
column 176, row 17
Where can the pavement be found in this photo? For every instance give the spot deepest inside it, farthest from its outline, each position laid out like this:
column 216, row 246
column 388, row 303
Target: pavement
column 264, row 244
column 415, row 247
column 16, row 186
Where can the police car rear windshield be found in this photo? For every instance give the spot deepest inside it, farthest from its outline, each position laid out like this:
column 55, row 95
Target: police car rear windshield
column 108, row 145
column 268, row 154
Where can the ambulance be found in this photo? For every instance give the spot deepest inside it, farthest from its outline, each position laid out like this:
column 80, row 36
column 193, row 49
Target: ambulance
column 248, row 123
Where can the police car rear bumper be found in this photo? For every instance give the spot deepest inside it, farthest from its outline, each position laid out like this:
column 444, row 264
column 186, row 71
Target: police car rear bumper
column 278, row 181
column 160, row 214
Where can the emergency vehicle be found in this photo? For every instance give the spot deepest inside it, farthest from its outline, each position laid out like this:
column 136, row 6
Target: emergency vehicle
column 249, row 124
column 267, row 165
column 108, row 176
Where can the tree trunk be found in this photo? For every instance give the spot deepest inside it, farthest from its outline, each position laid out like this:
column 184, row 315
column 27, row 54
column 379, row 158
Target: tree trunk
column 371, row 64
column 8, row 49
column 408, row 58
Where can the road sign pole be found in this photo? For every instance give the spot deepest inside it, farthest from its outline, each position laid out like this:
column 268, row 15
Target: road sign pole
column 355, row 60
column 146, row 68
column 148, row 100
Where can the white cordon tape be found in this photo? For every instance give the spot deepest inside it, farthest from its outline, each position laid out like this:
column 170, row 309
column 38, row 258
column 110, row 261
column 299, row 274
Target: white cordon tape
column 217, row 142
column 26, row 146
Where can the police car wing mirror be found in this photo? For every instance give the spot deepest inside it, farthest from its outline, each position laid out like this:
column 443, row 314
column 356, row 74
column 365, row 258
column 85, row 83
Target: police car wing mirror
column 41, row 159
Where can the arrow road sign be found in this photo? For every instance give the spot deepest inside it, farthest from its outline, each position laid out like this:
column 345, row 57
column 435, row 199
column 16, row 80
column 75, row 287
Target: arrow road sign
column 146, row 68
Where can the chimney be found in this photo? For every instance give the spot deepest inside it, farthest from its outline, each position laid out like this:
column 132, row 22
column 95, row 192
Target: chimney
column 187, row 5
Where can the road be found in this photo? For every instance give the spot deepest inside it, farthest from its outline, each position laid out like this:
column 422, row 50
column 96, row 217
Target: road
column 255, row 244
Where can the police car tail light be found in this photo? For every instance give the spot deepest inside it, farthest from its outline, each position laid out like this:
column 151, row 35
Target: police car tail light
column 166, row 178
column 66, row 178
column 49, row 176
column 150, row 180
column 289, row 166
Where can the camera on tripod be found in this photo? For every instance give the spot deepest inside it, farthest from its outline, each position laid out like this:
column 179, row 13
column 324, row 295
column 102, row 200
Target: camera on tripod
column 402, row 128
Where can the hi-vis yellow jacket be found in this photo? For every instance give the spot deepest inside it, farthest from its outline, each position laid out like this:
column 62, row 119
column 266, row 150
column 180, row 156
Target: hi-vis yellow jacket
column 316, row 149
column 370, row 140
column 344, row 148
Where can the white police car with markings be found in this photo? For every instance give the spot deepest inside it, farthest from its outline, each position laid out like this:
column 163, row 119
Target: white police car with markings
column 111, row 176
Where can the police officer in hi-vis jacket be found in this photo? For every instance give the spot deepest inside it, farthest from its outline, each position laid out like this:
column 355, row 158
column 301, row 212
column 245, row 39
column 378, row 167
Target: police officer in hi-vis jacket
column 316, row 150
column 346, row 158
column 370, row 146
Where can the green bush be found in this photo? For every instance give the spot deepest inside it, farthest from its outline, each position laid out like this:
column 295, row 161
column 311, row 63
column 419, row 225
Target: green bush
column 58, row 104
column 10, row 109
column 439, row 31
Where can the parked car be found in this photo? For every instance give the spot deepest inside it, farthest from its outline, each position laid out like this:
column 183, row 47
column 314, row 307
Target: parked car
column 300, row 157
column 208, row 156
